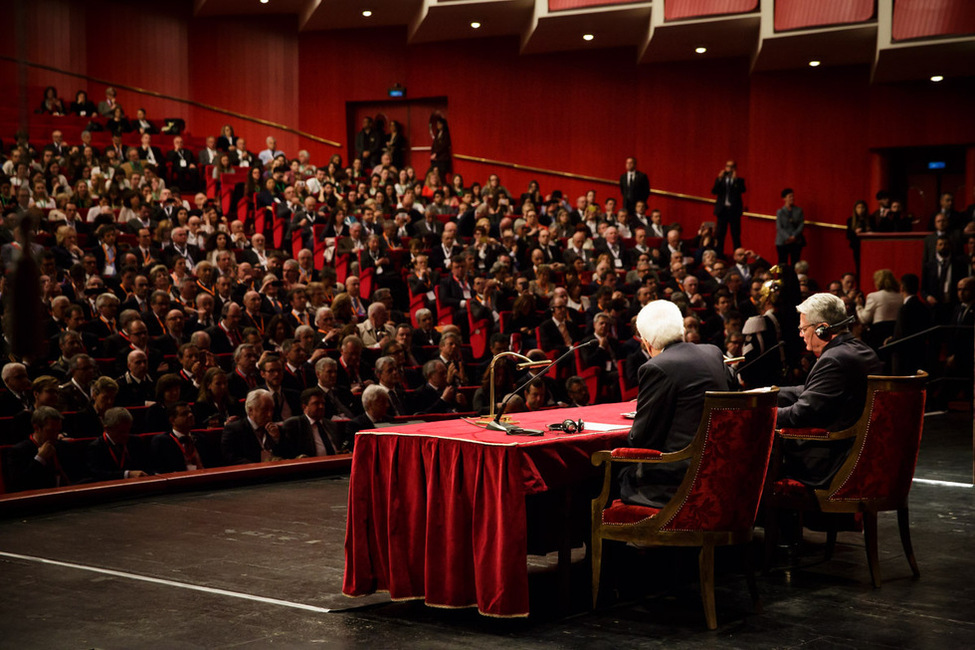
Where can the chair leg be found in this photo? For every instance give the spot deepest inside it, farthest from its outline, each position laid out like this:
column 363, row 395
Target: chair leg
column 597, row 558
column 904, row 523
column 870, row 539
column 706, row 569
column 750, row 576
column 831, row 538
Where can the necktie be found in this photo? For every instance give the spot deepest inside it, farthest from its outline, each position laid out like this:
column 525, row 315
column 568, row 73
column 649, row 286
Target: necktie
column 329, row 449
column 566, row 337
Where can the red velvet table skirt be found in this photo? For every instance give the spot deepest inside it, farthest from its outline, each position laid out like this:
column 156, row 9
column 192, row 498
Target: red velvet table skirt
column 437, row 510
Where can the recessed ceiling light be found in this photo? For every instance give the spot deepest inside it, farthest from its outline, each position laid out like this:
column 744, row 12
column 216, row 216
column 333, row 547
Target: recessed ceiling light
column 264, row 2
column 587, row 37
column 936, row 78
column 475, row 25
column 700, row 50
column 366, row 13
column 814, row 64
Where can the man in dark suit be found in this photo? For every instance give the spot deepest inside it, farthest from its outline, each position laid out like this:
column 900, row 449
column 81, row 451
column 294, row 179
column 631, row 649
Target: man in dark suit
column 913, row 317
column 177, row 450
column 940, row 276
column 340, row 403
column 225, row 336
column 604, row 357
column 375, row 404
column 634, row 186
column 114, row 455
column 833, row 395
column 18, row 396
column 285, row 402
column 34, row 464
column 135, row 387
column 728, row 205
column 310, row 433
column 670, row 402
column 960, row 341
column 255, row 438
column 437, row 395
column 558, row 332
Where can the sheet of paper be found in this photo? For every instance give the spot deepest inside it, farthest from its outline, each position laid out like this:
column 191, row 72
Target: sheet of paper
column 599, row 426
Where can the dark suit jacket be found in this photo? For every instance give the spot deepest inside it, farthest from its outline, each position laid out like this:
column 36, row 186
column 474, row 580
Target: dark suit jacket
column 732, row 192
column 426, row 399
column 135, row 394
column 103, row 466
column 832, row 398
column 167, row 456
column 551, row 339
column 301, row 436
column 23, row 472
column 639, row 190
column 239, row 444
column 913, row 317
column 668, row 412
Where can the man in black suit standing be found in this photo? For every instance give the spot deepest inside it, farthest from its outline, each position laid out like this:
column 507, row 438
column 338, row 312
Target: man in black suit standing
column 913, row 317
column 728, row 205
column 634, row 186
column 255, row 438
column 833, row 395
column 310, row 433
column 670, row 402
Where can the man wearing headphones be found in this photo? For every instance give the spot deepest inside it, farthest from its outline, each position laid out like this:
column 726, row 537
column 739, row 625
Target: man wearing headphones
column 834, row 394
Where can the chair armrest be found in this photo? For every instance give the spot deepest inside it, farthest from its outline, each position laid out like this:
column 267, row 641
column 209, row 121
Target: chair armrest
column 636, row 455
column 814, row 434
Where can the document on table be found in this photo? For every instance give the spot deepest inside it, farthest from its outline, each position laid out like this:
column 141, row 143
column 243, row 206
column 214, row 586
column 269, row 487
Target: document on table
column 599, row 426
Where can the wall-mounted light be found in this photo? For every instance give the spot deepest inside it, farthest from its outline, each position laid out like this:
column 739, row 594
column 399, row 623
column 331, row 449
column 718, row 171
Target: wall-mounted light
column 475, row 25
column 587, row 37
column 700, row 50
column 366, row 13
column 936, row 78
column 814, row 64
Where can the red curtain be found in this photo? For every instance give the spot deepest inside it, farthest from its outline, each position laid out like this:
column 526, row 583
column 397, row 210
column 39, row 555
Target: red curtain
column 801, row 14
column 927, row 18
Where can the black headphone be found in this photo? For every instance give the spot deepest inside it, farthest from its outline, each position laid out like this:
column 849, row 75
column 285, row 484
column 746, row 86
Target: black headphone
column 825, row 332
column 569, row 426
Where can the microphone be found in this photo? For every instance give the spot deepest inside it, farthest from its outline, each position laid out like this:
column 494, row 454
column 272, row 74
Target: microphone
column 496, row 424
column 778, row 345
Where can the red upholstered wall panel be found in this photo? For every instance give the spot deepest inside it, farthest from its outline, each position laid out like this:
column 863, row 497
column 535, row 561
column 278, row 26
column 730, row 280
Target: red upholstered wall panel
column 677, row 9
column 560, row 5
column 800, row 14
column 927, row 18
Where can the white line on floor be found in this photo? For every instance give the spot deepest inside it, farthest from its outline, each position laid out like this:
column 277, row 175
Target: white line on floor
column 168, row 583
column 931, row 481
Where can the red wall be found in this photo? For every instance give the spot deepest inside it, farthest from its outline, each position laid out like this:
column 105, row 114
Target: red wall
column 926, row 18
column 677, row 9
column 574, row 112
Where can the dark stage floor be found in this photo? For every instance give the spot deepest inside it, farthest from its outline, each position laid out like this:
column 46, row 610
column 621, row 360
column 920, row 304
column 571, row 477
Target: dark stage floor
column 262, row 566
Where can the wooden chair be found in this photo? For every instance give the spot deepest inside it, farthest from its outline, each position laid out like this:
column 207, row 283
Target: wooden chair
column 717, row 501
column 876, row 476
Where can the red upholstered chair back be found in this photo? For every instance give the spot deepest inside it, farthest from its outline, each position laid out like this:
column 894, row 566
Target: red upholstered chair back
column 881, row 465
column 723, row 485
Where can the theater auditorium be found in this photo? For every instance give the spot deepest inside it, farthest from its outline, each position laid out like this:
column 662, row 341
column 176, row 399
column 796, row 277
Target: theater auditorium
column 487, row 323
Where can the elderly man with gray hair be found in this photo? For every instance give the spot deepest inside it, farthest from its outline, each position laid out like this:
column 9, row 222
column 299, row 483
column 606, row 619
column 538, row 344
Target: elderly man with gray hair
column 255, row 438
column 670, row 402
column 834, row 393
column 375, row 403
column 114, row 454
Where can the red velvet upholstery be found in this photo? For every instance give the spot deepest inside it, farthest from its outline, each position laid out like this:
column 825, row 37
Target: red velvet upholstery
column 803, row 433
column 791, row 488
column 885, row 465
column 622, row 513
column 728, row 484
column 635, row 452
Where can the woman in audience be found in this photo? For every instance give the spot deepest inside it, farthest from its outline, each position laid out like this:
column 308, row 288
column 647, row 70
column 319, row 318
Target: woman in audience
column 857, row 224
column 226, row 139
column 542, row 286
column 524, row 320
column 82, row 106
column 51, row 104
column 278, row 331
column 266, row 197
column 41, row 199
column 879, row 309
column 118, row 124
column 457, row 186
column 223, row 166
column 168, row 390
column 214, row 406
column 216, row 243
column 562, row 228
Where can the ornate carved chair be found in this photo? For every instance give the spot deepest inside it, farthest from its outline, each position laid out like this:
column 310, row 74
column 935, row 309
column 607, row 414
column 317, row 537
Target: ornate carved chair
column 877, row 474
column 717, row 501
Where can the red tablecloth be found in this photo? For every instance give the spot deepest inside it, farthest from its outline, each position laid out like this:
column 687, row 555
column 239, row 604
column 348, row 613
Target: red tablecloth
column 437, row 510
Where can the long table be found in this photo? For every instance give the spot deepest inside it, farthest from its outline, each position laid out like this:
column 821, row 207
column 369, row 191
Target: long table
column 437, row 510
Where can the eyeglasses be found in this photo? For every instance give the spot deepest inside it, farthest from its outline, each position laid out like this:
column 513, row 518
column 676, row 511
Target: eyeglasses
column 803, row 328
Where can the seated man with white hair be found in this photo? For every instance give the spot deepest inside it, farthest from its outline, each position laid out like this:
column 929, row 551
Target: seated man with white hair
column 834, row 393
column 375, row 403
column 255, row 438
column 376, row 328
column 670, row 402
